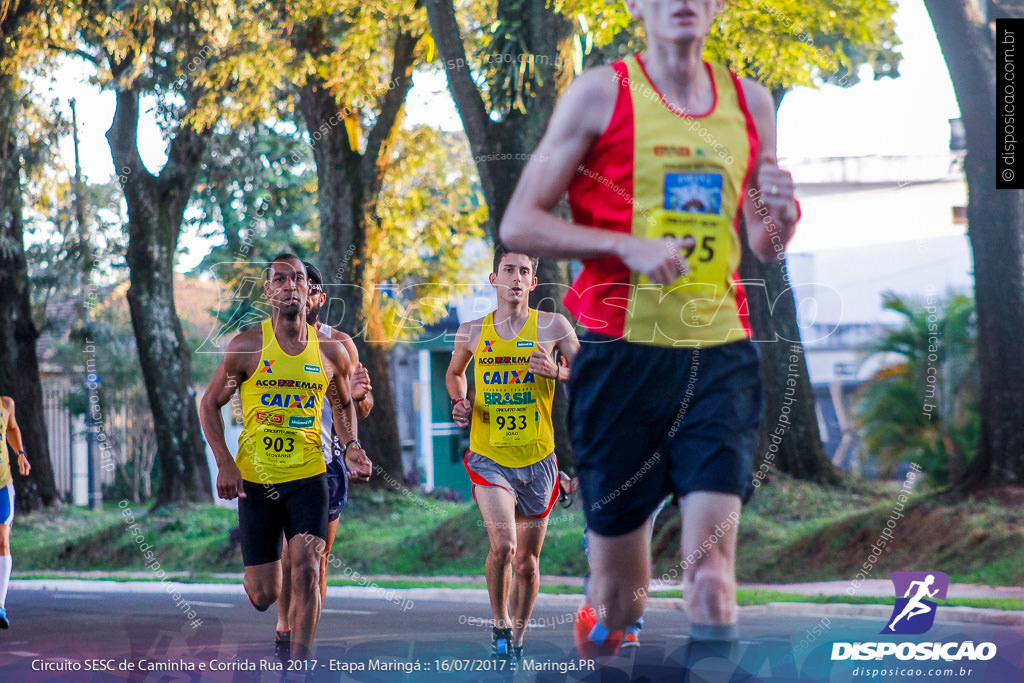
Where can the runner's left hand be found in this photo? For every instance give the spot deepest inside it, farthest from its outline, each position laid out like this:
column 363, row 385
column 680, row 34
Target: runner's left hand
column 778, row 191
column 543, row 365
column 358, row 465
column 23, row 465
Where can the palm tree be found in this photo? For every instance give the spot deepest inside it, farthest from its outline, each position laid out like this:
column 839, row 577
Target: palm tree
column 923, row 405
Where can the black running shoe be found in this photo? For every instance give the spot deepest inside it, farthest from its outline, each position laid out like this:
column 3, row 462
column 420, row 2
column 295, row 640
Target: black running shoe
column 517, row 657
column 283, row 646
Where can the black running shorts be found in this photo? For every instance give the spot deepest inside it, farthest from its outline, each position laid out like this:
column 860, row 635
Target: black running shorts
column 294, row 507
column 650, row 421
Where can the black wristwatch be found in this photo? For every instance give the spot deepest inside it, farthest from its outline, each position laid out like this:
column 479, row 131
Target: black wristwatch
column 353, row 441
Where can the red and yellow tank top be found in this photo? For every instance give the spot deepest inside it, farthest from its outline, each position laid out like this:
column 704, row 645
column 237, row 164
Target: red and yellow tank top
column 658, row 172
column 512, row 407
column 281, row 408
column 5, row 456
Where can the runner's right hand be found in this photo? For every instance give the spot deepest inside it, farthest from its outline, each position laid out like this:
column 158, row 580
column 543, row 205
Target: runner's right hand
column 659, row 260
column 461, row 411
column 360, row 382
column 229, row 481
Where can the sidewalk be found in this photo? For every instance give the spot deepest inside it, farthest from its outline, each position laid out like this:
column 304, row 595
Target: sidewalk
column 868, row 588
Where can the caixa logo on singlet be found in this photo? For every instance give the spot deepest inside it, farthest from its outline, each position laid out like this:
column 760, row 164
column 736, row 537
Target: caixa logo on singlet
column 914, row 614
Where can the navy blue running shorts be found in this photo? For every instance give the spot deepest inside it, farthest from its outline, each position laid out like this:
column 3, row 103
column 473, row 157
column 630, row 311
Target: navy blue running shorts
column 337, row 488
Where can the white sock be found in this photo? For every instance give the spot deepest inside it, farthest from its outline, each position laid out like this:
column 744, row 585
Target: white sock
column 5, row 577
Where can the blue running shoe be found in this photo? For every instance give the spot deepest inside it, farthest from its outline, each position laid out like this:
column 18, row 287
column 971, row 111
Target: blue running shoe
column 632, row 638
column 4, row 623
column 502, row 643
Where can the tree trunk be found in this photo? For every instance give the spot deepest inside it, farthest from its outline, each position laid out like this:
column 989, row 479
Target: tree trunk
column 348, row 185
column 996, row 231
column 156, row 206
column 501, row 148
column 19, row 366
column 789, row 412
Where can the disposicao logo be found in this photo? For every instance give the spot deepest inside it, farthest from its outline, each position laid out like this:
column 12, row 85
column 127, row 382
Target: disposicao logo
column 914, row 612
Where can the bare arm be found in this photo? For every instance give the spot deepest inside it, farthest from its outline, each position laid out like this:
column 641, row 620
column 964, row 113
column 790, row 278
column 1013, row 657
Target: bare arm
column 455, row 379
column 228, row 377
column 529, row 224
column 343, row 410
column 769, row 206
column 362, row 389
column 568, row 345
column 14, row 437
column 557, row 330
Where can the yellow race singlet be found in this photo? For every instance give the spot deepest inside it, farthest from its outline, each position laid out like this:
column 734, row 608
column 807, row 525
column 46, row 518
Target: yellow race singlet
column 281, row 408
column 5, row 456
column 512, row 407
column 658, row 171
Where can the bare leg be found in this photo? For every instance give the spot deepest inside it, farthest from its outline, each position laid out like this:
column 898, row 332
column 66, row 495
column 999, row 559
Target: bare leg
column 709, row 582
column 304, row 614
column 332, row 530
column 497, row 507
column 526, row 573
column 619, row 573
column 262, row 584
column 285, row 600
column 5, row 560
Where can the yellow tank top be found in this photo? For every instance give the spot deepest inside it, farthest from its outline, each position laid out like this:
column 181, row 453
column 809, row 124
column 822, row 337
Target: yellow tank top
column 281, row 408
column 689, row 177
column 5, row 456
column 512, row 407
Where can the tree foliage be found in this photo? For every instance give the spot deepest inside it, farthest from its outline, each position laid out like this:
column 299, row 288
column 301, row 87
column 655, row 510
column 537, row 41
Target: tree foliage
column 924, row 407
column 779, row 43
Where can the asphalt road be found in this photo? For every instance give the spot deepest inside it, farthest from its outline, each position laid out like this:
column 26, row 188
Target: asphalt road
column 73, row 633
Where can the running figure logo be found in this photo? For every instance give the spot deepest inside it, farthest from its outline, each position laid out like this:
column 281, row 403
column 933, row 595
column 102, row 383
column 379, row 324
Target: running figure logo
column 914, row 613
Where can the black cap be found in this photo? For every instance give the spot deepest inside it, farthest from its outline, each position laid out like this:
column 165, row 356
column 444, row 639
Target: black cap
column 313, row 273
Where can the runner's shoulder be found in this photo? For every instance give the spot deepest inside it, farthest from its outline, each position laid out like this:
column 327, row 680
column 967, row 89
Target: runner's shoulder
column 759, row 100
column 344, row 338
column 469, row 331
column 247, row 342
column 596, row 83
column 552, row 326
column 590, row 99
column 333, row 348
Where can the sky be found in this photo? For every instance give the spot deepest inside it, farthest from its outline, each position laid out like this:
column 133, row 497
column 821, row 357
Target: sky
column 905, row 116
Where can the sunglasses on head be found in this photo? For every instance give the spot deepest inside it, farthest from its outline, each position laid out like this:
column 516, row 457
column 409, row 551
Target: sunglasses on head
column 316, row 289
